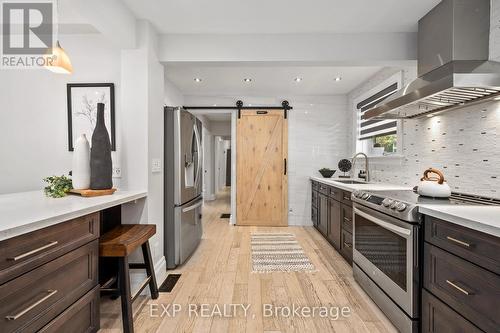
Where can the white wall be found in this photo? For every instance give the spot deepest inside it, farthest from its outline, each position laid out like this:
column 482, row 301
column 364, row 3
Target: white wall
column 33, row 118
column 318, row 128
column 221, row 128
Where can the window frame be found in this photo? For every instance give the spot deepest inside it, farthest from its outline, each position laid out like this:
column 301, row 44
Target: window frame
column 366, row 145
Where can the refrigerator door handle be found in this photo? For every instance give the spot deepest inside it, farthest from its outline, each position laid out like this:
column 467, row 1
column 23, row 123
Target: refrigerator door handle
column 190, row 208
column 198, row 155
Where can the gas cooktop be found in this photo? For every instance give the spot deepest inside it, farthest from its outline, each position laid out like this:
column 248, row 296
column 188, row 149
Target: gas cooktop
column 404, row 204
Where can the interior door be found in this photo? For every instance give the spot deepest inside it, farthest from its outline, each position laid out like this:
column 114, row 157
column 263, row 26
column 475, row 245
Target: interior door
column 261, row 164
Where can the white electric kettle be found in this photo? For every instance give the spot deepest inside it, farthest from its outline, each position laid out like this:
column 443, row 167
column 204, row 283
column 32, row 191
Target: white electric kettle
column 435, row 187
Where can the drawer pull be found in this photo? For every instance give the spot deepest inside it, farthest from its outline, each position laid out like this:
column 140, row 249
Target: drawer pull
column 347, row 219
column 462, row 290
column 32, row 306
column 347, row 198
column 41, row 248
column 457, row 241
column 347, row 245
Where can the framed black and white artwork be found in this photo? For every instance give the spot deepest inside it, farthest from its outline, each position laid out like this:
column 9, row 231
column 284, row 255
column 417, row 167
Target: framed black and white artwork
column 82, row 110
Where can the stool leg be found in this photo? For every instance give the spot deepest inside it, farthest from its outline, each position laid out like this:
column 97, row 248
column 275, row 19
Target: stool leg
column 153, row 287
column 126, row 295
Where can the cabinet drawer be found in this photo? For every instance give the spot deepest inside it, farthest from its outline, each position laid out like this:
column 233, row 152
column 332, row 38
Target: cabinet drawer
column 468, row 289
column 314, row 199
column 335, row 193
column 81, row 317
column 30, row 301
column 346, row 198
column 437, row 317
column 347, row 218
column 23, row 253
column 477, row 247
column 346, row 247
column 323, row 189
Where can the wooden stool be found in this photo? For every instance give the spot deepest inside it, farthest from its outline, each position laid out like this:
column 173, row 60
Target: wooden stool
column 120, row 242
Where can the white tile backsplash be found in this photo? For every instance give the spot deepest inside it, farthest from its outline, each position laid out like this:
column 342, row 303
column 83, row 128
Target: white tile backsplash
column 462, row 143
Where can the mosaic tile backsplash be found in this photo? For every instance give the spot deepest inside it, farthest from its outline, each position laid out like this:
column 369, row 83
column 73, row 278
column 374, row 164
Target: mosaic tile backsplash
column 463, row 143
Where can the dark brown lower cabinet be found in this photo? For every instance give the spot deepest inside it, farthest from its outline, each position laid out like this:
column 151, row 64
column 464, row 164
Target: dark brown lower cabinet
column 323, row 214
column 334, row 224
column 331, row 214
column 81, row 317
column 437, row 317
column 49, row 280
column 461, row 284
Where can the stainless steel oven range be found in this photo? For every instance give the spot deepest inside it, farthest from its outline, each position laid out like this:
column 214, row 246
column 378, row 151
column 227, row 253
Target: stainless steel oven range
column 386, row 250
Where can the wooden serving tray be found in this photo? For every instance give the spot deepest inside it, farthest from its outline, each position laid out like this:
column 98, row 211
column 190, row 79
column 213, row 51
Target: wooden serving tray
column 93, row 193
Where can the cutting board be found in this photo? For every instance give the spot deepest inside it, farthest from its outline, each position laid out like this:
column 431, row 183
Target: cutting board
column 93, row 193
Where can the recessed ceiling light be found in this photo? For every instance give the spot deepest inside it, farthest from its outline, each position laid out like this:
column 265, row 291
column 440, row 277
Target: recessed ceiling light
column 197, row 79
column 338, row 78
column 215, row 104
column 430, row 115
column 250, row 104
column 247, row 79
column 297, row 79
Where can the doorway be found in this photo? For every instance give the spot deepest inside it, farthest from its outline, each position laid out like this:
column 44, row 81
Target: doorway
column 261, row 167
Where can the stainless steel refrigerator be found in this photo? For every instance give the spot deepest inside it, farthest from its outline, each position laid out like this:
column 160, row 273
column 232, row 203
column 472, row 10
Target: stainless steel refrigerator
column 182, row 185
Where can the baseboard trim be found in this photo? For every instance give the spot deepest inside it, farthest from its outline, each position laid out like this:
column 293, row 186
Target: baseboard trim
column 161, row 270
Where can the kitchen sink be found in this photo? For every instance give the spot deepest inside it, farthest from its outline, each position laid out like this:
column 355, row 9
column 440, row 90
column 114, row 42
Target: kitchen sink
column 350, row 181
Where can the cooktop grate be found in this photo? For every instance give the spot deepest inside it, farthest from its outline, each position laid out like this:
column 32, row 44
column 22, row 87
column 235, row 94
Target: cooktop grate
column 475, row 199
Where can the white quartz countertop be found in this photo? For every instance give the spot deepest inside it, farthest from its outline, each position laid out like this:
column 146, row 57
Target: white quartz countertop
column 481, row 218
column 24, row 212
column 360, row 187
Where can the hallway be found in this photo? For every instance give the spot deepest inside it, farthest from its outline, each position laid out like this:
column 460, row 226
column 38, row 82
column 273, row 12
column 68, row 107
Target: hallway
column 220, row 273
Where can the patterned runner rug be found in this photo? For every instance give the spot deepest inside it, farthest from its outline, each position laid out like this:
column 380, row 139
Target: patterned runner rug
column 278, row 252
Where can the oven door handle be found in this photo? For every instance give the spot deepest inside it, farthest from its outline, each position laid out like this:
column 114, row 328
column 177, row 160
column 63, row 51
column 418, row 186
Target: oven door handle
column 406, row 233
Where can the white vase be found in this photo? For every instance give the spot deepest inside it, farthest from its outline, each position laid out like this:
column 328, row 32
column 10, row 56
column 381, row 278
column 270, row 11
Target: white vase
column 81, row 163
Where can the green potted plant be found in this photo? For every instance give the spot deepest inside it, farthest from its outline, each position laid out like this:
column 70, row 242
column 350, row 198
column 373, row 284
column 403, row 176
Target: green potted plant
column 326, row 172
column 57, row 186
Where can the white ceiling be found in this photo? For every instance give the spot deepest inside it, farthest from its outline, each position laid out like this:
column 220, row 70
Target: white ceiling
column 266, row 80
column 282, row 16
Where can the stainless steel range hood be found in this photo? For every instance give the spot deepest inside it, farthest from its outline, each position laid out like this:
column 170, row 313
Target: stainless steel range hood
column 453, row 66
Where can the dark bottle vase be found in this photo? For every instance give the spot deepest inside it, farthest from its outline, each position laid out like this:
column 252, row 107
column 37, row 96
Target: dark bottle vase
column 101, row 167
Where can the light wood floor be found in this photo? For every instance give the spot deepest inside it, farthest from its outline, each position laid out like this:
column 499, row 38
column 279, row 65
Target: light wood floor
column 219, row 272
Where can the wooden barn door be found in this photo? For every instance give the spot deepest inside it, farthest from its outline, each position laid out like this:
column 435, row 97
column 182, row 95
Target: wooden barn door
column 261, row 165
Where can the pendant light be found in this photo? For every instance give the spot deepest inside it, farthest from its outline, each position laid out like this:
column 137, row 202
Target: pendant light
column 57, row 59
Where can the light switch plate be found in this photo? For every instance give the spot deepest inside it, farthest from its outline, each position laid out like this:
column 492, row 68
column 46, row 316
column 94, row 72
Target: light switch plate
column 155, row 165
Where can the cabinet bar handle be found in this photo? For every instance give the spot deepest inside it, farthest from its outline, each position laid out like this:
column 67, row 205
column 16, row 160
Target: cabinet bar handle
column 41, row 248
column 29, row 308
column 347, row 219
column 458, row 288
column 348, row 245
column 457, row 241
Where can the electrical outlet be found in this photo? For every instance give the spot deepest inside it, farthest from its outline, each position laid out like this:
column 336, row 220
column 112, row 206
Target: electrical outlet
column 155, row 165
column 117, row 172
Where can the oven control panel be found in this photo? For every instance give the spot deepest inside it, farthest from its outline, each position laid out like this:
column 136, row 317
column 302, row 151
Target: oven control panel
column 387, row 203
